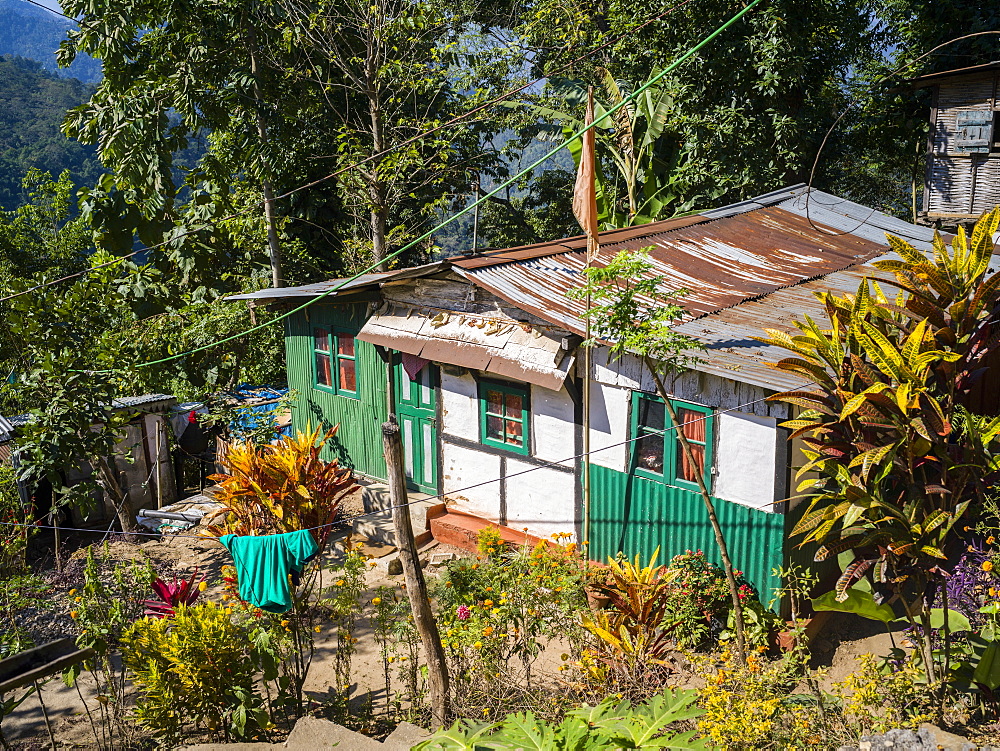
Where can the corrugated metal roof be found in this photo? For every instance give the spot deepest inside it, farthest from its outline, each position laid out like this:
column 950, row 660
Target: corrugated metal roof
column 365, row 280
column 6, row 429
column 125, row 402
column 933, row 78
column 721, row 263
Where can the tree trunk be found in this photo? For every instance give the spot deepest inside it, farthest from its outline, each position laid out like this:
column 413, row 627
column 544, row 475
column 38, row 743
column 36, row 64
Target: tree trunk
column 108, row 479
column 270, row 219
column 416, row 587
column 720, row 540
column 377, row 192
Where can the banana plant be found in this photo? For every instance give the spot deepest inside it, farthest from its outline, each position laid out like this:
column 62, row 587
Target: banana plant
column 894, row 460
column 640, row 175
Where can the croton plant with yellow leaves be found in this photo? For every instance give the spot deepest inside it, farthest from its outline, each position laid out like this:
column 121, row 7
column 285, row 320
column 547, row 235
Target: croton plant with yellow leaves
column 895, row 460
column 281, row 487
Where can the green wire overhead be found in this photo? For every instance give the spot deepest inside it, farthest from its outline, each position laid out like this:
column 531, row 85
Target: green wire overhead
column 634, row 95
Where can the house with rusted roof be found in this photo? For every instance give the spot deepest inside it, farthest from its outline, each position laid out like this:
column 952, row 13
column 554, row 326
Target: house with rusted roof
column 479, row 358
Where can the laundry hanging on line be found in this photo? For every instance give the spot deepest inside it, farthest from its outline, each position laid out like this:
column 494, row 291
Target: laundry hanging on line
column 264, row 563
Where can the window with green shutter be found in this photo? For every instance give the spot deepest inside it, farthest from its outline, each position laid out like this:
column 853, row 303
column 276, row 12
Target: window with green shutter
column 658, row 454
column 334, row 365
column 504, row 420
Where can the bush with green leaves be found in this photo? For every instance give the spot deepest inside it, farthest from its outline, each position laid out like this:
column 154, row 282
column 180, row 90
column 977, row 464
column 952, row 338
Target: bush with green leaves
column 612, row 724
column 198, row 668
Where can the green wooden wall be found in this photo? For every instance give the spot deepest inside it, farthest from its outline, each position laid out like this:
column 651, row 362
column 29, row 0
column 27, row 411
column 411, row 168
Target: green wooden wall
column 358, row 443
column 640, row 517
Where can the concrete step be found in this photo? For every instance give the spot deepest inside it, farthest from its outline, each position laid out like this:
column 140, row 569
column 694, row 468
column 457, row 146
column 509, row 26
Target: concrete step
column 378, row 526
column 405, row 737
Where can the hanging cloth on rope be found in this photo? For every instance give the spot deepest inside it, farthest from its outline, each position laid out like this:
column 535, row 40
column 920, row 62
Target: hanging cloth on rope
column 264, row 563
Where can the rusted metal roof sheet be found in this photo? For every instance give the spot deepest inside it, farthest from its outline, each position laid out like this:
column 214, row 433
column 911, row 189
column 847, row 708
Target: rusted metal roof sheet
column 496, row 346
column 720, row 263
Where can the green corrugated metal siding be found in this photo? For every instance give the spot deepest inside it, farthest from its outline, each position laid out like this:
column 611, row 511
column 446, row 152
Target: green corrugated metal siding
column 654, row 514
column 358, row 443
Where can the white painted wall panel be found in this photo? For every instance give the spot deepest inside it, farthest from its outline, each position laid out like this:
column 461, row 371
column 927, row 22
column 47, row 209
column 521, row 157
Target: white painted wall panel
column 552, row 424
column 609, row 407
column 542, row 500
column 746, row 455
column 462, row 467
column 460, row 405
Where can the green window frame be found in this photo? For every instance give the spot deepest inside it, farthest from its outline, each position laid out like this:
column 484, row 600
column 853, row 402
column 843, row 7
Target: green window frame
column 657, row 453
column 505, row 417
column 335, row 367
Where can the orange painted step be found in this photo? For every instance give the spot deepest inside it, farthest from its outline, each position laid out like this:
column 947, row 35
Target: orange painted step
column 460, row 529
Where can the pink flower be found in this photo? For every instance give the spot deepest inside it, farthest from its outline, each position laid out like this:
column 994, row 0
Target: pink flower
column 463, row 613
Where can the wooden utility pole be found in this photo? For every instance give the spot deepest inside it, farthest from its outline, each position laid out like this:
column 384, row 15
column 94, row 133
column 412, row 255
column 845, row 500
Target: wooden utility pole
column 413, row 575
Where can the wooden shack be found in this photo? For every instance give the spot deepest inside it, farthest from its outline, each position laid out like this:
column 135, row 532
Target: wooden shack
column 963, row 144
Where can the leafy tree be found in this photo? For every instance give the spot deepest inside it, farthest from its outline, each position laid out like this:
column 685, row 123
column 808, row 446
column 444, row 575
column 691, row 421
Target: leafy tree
column 631, row 308
column 898, row 461
column 47, row 235
column 72, row 374
column 391, row 70
column 744, row 115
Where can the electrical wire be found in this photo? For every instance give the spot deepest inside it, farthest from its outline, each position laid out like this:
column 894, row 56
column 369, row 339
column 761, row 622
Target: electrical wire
column 607, row 114
column 444, row 495
column 372, row 157
column 54, row 12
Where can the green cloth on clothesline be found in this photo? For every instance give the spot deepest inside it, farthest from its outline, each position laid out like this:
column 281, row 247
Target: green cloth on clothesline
column 264, row 562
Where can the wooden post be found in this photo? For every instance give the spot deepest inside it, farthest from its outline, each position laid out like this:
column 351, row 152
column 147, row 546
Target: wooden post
column 413, row 575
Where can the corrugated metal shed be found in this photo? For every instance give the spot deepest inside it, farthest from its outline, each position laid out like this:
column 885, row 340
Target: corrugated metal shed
column 365, row 280
column 151, row 402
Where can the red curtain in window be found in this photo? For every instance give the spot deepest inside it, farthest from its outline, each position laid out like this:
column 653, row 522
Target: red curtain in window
column 694, row 426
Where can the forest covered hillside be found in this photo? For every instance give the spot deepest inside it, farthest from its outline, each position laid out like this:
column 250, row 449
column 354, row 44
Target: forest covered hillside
column 33, row 103
column 29, row 31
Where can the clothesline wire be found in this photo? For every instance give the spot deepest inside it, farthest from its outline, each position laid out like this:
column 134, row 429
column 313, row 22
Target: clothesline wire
column 377, row 155
column 444, row 495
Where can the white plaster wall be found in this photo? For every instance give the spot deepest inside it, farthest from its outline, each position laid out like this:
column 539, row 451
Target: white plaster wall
column 542, row 500
column 460, row 405
column 552, row 424
column 693, row 386
column 609, row 407
column 464, row 467
column 746, row 454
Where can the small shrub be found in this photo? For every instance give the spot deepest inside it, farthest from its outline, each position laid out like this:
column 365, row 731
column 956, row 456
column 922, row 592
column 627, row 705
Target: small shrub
column 489, row 542
column 281, row 487
column 496, row 614
column 196, row 667
column 699, row 600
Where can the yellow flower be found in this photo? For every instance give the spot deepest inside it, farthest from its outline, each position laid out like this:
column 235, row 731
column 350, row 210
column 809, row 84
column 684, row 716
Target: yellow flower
column 340, row 582
column 488, row 604
column 376, row 600
column 285, row 624
column 987, row 565
column 202, row 585
column 495, row 611
column 488, row 631
column 72, row 592
column 77, row 599
column 486, row 710
column 373, row 564
column 990, row 540
column 478, row 645
column 72, row 614
column 317, row 629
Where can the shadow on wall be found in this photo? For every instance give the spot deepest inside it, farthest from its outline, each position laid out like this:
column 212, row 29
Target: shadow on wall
column 335, row 446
